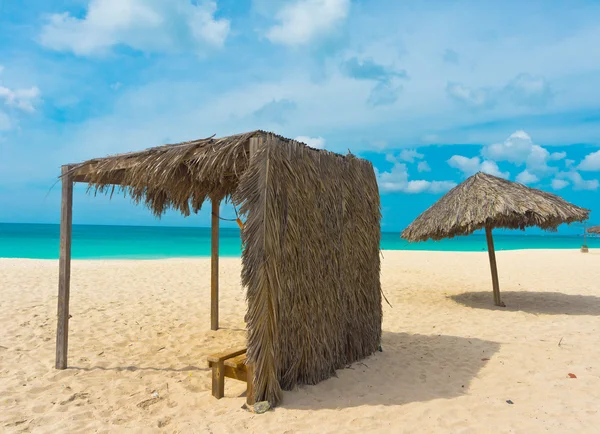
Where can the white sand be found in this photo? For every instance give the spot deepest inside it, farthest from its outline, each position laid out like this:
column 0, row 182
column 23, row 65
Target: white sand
column 143, row 326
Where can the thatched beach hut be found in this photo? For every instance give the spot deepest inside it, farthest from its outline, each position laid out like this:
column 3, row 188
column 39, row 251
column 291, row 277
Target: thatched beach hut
column 310, row 263
column 486, row 202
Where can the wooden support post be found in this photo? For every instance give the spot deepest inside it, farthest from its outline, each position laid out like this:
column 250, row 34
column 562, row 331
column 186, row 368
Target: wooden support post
column 64, row 269
column 254, row 144
column 214, row 271
column 218, row 379
column 494, row 268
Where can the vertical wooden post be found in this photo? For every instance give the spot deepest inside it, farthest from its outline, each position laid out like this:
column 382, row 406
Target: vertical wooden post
column 492, row 255
column 218, row 379
column 214, row 271
column 253, row 144
column 64, row 269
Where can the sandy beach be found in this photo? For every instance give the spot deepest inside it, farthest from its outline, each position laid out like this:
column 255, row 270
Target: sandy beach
column 140, row 335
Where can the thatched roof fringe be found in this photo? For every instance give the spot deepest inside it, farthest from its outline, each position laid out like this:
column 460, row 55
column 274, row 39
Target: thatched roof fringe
column 179, row 176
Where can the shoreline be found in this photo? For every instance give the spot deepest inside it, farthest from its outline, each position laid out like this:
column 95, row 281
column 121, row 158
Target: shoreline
column 592, row 252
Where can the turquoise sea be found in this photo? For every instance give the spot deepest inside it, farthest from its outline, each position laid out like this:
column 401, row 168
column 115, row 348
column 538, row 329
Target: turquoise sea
column 41, row 241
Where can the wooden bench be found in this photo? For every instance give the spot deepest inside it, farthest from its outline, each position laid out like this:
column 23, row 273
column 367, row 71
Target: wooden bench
column 231, row 364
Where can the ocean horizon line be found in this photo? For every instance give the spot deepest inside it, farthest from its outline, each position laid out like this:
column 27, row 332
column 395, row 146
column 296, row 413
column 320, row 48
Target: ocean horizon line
column 500, row 231
column 41, row 241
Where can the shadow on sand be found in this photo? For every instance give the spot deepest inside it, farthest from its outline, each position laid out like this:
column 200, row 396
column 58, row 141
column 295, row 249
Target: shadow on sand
column 410, row 368
column 551, row 303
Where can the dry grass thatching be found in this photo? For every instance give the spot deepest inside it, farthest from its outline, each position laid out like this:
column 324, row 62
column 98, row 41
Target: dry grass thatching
column 488, row 201
column 594, row 230
column 311, row 264
column 311, row 243
column 180, row 176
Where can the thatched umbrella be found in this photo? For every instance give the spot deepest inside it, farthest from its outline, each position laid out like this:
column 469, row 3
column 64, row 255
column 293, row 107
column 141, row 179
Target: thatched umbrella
column 594, row 230
column 486, row 201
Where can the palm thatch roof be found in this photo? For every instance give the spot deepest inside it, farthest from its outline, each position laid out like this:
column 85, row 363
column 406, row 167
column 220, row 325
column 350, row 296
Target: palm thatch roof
column 311, row 238
column 594, row 230
column 179, row 176
column 488, row 201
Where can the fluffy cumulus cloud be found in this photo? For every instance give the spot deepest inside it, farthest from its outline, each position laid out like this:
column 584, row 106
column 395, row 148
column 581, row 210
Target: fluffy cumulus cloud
column 591, row 162
column 423, row 166
column 410, row 155
column 303, row 21
column 470, row 166
column 313, row 142
column 527, row 178
column 520, row 150
column 396, row 181
column 559, row 184
column 14, row 101
column 556, row 156
column 576, row 180
column 20, row 99
column 147, row 25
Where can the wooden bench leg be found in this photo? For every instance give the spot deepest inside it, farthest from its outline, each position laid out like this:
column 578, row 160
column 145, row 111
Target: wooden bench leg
column 249, row 385
column 218, row 379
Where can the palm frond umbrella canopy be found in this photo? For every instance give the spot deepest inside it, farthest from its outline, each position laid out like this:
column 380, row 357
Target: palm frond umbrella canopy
column 486, row 202
column 594, row 230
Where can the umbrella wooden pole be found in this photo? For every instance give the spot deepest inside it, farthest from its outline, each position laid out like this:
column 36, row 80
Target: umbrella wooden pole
column 494, row 268
column 64, row 269
column 214, row 269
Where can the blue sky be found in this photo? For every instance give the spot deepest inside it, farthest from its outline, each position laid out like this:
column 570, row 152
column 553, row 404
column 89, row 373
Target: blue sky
column 430, row 91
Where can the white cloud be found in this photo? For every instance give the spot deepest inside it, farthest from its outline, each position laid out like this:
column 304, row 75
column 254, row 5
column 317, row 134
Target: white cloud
column 520, row 150
column 591, row 162
column 423, row 167
column 147, row 25
column 492, row 168
column 410, row 155
column 15, row 100
column 527, row 178
column 396, row 181
column 313, row 142
column 470, row 166
column 305, row 20
column 556, row 156
column 22, row 99
column 577, row 180
column 559, row 184
column 406, row 155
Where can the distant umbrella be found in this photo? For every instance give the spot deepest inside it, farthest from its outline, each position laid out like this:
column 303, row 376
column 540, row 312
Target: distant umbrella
column 486, row 202
column 594, row 230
